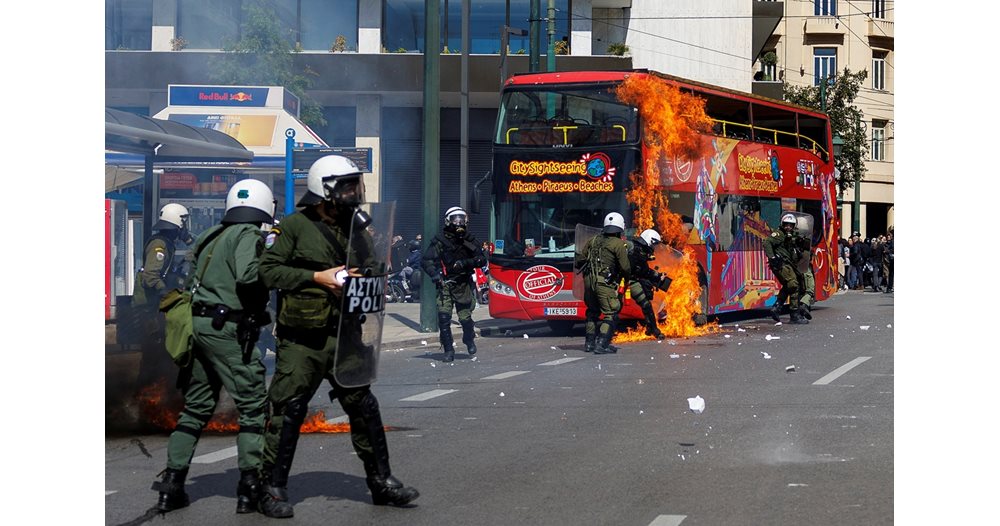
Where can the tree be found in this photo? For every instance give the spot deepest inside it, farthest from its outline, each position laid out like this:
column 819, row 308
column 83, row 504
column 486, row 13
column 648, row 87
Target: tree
column 845, row 120
column 263, row 56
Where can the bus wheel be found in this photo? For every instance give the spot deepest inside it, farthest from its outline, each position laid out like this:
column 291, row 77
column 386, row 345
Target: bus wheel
column 561, row 327
column 700, row 319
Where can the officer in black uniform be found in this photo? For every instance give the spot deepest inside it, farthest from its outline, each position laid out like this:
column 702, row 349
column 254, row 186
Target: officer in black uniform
column 451, row 261
column 645, row 279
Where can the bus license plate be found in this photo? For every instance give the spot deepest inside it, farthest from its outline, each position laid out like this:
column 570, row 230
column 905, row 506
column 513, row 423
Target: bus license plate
column 560, row 311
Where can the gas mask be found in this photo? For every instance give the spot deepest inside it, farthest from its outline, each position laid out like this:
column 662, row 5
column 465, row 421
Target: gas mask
column 456, row 225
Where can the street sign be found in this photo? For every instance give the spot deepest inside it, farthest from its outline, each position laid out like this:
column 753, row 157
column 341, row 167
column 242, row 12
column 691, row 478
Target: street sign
column 303, row 158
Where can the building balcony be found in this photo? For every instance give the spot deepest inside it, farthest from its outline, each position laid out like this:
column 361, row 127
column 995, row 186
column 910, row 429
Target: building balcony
column 880, row 28
column 771, row 89
column 824, row 25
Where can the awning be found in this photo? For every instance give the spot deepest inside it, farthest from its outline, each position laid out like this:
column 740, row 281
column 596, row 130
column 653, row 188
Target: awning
column 168, row 141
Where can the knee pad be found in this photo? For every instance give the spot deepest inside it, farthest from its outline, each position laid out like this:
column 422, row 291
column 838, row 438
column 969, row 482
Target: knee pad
column 295, row 410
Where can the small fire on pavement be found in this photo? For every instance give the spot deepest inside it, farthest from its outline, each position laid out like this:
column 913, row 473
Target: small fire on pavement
column 158, row 414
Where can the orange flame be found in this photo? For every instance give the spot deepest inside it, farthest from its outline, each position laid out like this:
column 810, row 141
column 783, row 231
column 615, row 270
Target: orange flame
column 152, row 400
column 673, row 124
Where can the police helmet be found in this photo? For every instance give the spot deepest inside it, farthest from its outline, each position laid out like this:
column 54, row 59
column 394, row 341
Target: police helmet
column 334, row 178
column 788, row 218
column 614, row 223
column 651, row 237
column 172, row 216
column 250, row 201
column 413, row 245
column 456, row 216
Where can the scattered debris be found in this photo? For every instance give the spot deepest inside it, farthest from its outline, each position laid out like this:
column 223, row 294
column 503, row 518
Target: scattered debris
column 728, row 336
column 865, row 327
column 671, row 342
column 769, row 337
column 554, row 348
column 525, row 336
column 697, row 404
column 741, row 330
column 889, row 326
column 675, row 356
column 508, row 332
column 766, row 356
column 848, row 317
column 777, row 324
column 423, row 342
column 433, row 364
column 501, row 394
column 790, row 369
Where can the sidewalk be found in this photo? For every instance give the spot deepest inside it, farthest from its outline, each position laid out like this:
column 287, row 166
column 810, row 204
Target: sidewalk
column 402, row 325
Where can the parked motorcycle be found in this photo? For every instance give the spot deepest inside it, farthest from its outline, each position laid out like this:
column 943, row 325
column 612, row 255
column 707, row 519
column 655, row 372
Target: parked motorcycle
column 482, row 278
column 399, row 289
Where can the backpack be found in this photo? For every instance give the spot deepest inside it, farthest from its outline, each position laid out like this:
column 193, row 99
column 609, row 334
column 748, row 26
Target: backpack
column 176, row 306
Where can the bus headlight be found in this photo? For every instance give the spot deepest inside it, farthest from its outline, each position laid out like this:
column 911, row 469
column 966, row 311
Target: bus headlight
column 498, row 287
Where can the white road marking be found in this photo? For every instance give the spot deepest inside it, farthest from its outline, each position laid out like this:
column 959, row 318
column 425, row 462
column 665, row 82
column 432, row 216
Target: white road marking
column 668, row 520
column 508, row 374
column 561, row 361
column 838, row 372
column 428, row 395
column 107, row 492
column 209, row 458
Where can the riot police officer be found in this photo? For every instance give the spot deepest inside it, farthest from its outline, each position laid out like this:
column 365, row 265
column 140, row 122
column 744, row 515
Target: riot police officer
column 604, row 262
column 784, row 251
column 308, row 259
column 157, row 274
column 450, row 261
column 228, row 309
column 644, row 279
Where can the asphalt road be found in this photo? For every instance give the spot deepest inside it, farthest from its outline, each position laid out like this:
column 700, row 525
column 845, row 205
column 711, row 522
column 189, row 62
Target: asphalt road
column 797, row 429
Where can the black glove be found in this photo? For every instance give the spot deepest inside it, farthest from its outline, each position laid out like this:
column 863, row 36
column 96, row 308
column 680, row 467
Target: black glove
column 458, row 266
column 436, row 279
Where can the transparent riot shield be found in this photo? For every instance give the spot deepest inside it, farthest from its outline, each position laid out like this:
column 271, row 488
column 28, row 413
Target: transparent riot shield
column 804, row 227
column 583, row 234
column 362, row 311
column 667, row 260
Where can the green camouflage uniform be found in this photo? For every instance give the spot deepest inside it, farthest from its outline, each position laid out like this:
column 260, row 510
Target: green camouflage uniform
column 307, row 335
column 605, row 262
column 224, row 353
column 787, row 247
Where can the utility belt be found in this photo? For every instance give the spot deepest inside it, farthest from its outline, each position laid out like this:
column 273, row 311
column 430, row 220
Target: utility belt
column 220, row 314
column 606, row 275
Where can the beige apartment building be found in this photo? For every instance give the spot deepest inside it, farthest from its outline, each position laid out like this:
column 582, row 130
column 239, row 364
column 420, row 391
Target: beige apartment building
column 815, row 38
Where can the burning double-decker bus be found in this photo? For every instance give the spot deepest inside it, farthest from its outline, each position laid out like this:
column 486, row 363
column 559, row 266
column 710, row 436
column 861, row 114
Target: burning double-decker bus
column 571, row 147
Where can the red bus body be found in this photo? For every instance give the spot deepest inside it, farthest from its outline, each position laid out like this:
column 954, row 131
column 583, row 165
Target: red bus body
column 773, row 177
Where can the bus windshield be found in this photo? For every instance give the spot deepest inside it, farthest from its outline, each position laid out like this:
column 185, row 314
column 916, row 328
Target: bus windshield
column 543, row 225
column 565, row 116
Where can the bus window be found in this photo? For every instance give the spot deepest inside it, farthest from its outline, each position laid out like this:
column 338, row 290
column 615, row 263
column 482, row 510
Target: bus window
column 532, row 224
column 812, row 135
column 770, row 212
column 565, row 117
column 731, row 116
column 774, row 126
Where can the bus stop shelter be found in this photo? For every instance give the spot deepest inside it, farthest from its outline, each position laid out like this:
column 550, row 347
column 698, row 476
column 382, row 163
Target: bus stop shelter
column 163, row 141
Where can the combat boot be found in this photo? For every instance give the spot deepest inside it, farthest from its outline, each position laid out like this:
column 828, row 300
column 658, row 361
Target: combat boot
column 449, row 352
column 447, row 341
column 775, row 312
column 804, row 311
column 604, row 345
column 591, row 343
column 171, row 488
column 655, row 332
column 797, row 318
column 469, row 336
column 247, row 492
column 274, row 502
column 386, row 489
